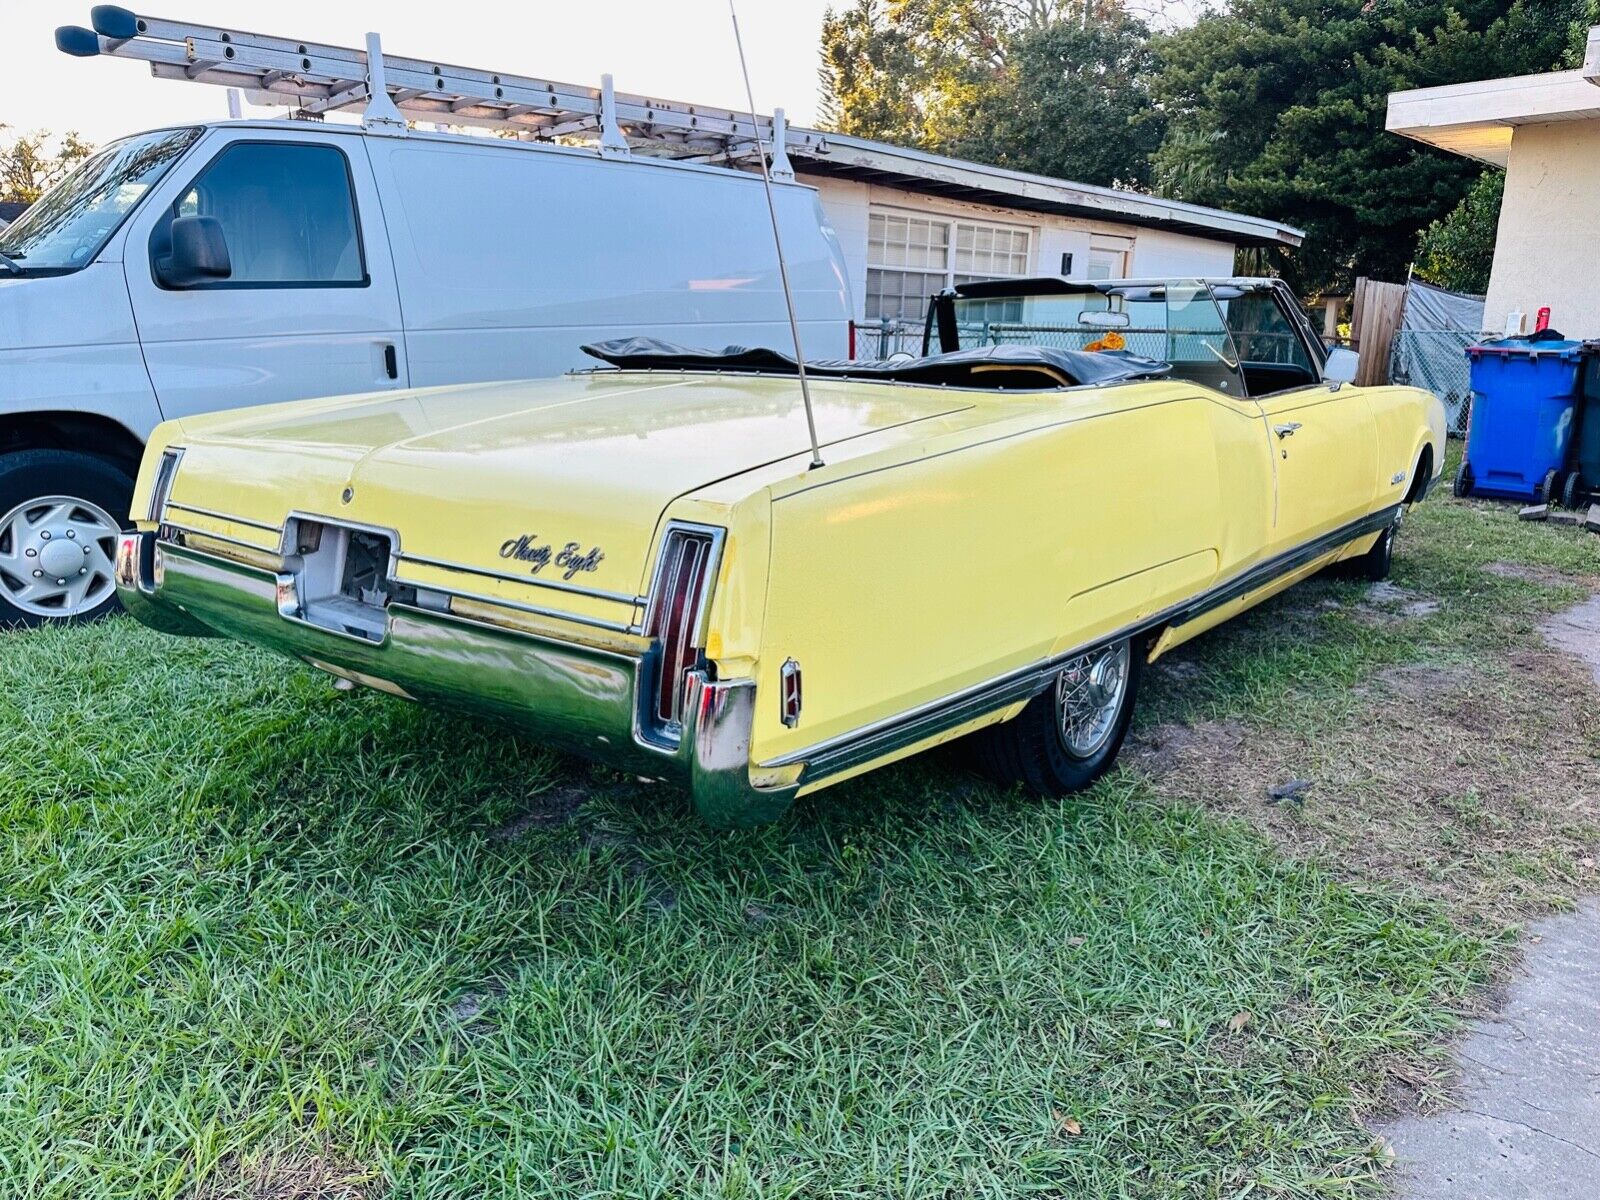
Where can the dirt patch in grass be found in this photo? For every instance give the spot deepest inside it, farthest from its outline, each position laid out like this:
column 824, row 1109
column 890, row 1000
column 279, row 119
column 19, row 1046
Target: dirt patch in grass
column 1530, row 572
column 548, row 810
column 1387, row 604
column 1475, row 786
column 289, row 1175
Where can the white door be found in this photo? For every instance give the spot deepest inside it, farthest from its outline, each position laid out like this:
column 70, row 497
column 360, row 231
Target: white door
column 310, row 307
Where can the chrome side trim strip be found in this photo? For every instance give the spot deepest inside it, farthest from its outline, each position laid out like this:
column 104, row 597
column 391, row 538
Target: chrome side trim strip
column 884, row 737
column 535, row 610
column 222, row 516
column 553, row 584
column 218, row 537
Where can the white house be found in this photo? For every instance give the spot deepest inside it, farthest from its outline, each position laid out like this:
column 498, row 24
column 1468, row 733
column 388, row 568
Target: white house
column 1544, row 130
column 912, row 222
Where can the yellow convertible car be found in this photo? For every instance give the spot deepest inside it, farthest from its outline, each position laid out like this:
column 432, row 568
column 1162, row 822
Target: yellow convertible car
column 641, row 563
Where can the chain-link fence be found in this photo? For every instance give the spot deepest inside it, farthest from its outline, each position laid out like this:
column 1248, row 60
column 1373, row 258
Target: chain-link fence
column 1436, row 360
column 1430, row 348
column 1163, row 345
column 875, row 340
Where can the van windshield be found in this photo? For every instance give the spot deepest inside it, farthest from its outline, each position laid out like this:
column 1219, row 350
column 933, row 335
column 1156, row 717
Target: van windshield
column 65, row 228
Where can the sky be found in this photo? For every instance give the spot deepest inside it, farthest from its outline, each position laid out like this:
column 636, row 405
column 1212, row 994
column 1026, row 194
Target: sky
column 672, row 49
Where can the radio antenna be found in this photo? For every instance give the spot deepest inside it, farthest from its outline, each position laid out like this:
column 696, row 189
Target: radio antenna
column 777, row 241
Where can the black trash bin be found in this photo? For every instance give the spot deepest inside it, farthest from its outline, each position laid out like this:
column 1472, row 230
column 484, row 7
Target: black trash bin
column 1581, row 482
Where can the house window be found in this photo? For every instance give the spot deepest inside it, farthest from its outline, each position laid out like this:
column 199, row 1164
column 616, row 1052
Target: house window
column 910, row 258
column 990, row 252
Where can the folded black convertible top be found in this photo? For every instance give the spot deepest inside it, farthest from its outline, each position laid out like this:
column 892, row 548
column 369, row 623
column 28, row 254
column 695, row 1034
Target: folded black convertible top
column 978, row 367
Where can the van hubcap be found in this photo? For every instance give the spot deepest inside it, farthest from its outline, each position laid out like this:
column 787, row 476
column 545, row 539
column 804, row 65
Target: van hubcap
column 1089, row 694
column 56, row 556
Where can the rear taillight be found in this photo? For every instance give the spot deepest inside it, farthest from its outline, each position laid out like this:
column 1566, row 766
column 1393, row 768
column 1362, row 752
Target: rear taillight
column 676, row 617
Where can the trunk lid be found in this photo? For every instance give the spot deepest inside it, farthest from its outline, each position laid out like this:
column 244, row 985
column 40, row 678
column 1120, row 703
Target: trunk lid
column 561, row 480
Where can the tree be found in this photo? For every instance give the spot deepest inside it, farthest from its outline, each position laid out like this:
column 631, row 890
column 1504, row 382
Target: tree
column 1276, row 108
column 1074, row 103
column 29, row 166
column 1457, row 252
column 1053, row 86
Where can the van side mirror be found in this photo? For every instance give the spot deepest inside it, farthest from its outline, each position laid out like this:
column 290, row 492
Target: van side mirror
column 1340, row 366
column 199, row 253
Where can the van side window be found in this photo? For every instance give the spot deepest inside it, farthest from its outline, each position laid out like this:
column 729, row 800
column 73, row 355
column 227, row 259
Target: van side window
column 287, row 213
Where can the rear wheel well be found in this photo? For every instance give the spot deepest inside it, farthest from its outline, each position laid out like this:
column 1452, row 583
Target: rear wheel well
column 85, row 433
column 1422, row 477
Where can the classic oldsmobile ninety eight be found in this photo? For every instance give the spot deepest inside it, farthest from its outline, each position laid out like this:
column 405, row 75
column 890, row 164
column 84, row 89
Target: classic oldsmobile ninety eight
column 640, row 563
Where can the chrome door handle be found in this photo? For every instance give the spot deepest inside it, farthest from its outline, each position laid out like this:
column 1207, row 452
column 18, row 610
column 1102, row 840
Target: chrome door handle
column 1284, row 431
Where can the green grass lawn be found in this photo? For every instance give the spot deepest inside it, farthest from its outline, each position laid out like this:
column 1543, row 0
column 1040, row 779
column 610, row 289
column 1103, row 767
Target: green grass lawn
column 262, row 939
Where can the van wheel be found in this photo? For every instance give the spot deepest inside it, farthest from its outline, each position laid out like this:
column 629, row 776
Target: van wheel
column 60, row 513
column 1069, row 735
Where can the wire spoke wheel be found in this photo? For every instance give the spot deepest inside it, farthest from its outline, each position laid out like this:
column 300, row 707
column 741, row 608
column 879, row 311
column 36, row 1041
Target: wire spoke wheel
column 56, row 556
column 1089, row 694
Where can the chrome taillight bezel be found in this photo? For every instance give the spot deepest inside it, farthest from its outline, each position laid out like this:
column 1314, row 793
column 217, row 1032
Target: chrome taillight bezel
column 677, row 616
column 161, row 488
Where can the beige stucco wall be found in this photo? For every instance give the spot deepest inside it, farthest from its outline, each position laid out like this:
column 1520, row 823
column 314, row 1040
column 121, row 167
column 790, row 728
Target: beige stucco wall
column 1548, row 250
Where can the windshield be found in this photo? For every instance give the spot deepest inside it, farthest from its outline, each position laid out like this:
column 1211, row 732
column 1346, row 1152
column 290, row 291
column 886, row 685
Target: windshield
column 66, row 227
column 1177, row 323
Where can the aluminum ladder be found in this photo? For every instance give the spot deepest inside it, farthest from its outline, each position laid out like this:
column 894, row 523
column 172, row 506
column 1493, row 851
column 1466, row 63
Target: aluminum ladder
column 387, row 90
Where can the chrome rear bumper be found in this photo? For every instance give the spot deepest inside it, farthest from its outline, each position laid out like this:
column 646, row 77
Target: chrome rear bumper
column 579, row 698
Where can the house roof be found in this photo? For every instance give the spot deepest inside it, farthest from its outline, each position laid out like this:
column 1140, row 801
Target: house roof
column 1476, row 120
column 817, row 153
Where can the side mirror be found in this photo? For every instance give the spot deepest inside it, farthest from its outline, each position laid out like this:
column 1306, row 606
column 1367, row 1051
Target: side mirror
column 199, row 253
column 1341, row 366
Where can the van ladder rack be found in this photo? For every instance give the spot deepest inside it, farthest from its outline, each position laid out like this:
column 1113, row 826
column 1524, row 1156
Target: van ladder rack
column 320, row 79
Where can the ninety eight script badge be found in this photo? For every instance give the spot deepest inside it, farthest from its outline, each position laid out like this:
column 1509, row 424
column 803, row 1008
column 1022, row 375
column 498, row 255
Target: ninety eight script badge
column 569, row 560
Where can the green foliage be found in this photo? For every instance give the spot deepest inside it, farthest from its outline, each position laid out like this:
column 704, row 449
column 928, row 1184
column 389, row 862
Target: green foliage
column 1277, row 108
column 908, row 71
column 1059, row 87
column 1457, row 252
column 1074, row 102
column 1270, row 107
column 30, row 165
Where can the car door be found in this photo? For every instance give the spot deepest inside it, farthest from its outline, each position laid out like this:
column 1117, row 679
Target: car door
column 310, row 307
column 1322, row 436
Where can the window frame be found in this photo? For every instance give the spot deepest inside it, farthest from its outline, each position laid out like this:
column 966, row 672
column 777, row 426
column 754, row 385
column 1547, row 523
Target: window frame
column 1289, row 309
column 947, row 276
column 163, row 226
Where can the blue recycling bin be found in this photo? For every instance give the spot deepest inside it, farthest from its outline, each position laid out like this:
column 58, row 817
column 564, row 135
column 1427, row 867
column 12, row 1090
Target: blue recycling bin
column 1524, row 398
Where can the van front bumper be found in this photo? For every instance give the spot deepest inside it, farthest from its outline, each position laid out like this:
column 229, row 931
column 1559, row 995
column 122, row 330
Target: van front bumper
column 578, row 698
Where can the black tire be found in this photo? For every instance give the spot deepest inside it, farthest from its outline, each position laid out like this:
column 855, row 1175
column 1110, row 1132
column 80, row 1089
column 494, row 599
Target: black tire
column 1571, row 495
column 1549, row 490
column 1031, row 748
column 30, row 475
column 1374, row 565
column 1462, row 486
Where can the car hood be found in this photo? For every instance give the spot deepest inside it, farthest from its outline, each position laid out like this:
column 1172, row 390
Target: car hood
column 590, row 461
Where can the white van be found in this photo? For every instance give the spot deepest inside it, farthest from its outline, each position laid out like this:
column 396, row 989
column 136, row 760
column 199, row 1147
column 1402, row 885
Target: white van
column 246, row 262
